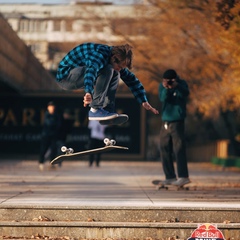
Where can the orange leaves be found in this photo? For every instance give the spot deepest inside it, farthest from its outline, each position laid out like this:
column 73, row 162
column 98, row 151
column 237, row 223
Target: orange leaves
column 202, row 52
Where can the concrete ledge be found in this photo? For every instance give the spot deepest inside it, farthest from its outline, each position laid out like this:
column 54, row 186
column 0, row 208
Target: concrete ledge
column 137, row 215
column 104, row 230
column 216, row 207
column 113, row 224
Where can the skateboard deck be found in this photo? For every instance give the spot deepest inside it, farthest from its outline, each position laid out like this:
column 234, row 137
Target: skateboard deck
column 69, row 154
column 159, row 185
column 120, row 119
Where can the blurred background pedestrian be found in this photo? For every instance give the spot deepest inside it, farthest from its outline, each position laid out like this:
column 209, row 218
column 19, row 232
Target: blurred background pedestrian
column 51, row 126
column 97, row 135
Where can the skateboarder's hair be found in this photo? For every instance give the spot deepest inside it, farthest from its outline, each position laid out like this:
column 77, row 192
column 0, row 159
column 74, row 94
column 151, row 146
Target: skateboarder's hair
column 123, row 53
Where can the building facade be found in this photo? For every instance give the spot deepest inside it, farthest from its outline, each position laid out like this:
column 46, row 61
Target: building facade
column 52, row 30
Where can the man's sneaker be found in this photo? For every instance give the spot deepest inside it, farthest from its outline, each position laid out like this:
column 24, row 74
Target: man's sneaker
column 181, row 181
column 101, row 114
column 168, row 181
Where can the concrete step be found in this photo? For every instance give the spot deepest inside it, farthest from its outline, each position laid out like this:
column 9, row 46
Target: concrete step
column 115, row 222
column 122, row 214
column 106, row 230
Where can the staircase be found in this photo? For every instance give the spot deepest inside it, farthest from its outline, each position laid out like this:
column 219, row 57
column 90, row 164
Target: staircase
column 114, row 222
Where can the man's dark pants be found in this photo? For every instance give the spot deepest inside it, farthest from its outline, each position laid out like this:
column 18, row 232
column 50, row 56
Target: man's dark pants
column 172, row 145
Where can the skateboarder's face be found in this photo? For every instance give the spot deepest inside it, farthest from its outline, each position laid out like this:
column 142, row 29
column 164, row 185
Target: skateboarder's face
column 118, row 65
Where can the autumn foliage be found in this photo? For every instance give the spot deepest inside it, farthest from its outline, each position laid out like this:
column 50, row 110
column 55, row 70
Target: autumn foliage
column 200, row 39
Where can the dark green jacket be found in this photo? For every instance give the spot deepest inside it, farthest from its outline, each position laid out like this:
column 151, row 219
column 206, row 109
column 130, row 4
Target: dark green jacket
column 174, row 101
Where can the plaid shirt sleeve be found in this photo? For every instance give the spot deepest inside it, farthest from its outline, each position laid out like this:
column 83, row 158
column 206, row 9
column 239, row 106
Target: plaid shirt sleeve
column 134, row 85
column 93, row 66
column 93, row 56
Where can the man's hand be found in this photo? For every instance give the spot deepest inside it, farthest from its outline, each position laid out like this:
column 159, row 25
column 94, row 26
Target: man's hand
column 147, row 106
column 168, row 84
column 87, row 99
column 165, row 83
column 173, row 85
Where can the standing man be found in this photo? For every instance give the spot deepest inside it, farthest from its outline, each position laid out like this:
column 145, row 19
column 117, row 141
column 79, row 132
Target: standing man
column 101, row 66
column 173, row 93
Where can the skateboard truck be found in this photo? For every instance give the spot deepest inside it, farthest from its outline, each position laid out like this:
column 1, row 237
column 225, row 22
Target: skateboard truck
column 109, row 142
column 67, row 150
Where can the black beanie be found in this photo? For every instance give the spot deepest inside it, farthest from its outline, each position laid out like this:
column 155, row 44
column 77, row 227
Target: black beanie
column 170, row 74
column 51, row 103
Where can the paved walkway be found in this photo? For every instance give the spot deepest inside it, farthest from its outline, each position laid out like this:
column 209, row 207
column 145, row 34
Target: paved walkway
column 116, row 184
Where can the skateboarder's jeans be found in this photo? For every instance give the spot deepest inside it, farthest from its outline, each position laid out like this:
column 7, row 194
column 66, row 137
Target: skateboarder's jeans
column 172, row 141
column 105, row 86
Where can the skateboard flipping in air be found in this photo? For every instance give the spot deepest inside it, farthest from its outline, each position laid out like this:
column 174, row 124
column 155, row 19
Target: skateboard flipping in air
column 69, row 152
column 160, row 185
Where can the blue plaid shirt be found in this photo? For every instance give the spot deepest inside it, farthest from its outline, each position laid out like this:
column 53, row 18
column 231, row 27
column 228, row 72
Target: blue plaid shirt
column 95, row 57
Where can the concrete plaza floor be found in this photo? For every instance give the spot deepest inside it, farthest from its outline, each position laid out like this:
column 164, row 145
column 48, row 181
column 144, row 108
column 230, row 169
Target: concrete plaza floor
column 114, row 183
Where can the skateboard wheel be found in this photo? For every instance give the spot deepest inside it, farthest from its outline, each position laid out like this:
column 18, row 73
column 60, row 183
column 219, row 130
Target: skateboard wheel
column 161, row 187
column 113, row 142
column 106, row 141
column 63, row 148
column 70, row 150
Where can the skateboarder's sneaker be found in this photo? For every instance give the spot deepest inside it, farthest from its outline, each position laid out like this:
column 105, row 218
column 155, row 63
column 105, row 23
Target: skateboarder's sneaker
column 181, row 181
column 120, row 119
column 101, row 114
column 168, row 181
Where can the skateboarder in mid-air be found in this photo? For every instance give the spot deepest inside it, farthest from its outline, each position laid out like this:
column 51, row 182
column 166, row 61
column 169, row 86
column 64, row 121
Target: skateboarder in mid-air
column 97, row 68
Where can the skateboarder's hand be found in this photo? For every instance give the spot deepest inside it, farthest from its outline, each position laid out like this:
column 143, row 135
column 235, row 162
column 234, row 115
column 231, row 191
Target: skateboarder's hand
column 147, row 106
column 87, row 99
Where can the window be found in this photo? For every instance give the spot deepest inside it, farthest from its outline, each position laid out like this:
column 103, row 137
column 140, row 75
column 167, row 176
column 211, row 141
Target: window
column 56, row 25
column 24, row 25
